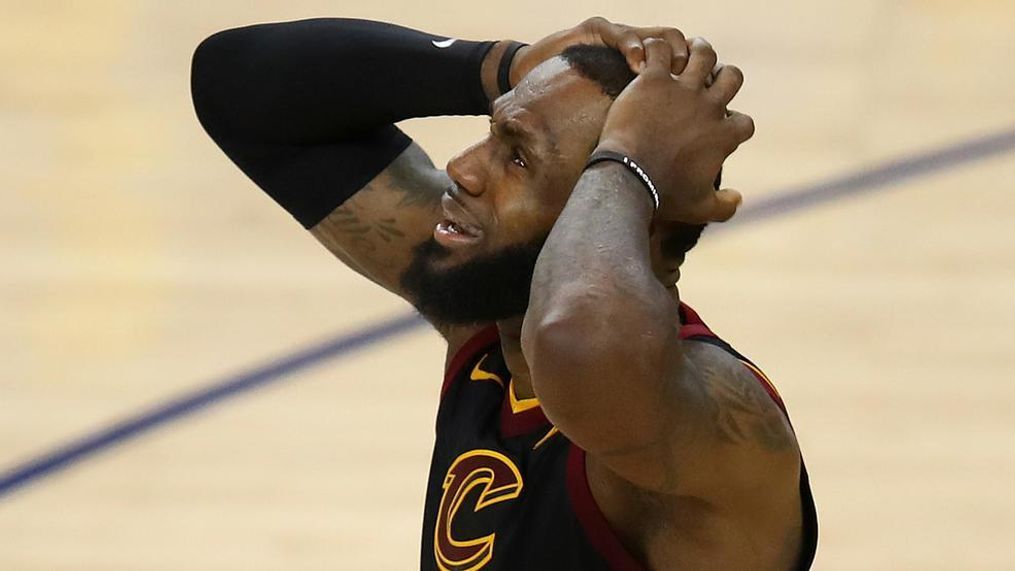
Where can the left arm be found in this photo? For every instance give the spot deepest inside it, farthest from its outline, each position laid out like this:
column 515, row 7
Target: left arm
column 601, row 331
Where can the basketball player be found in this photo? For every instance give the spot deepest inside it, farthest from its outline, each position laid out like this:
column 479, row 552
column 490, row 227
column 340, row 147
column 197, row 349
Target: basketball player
column 588, row 418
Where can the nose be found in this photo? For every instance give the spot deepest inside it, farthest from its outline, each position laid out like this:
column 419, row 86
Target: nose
column 465, row 170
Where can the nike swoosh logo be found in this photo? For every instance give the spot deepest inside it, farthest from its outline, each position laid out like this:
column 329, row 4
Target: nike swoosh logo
column 444, row 43
column 481, row 375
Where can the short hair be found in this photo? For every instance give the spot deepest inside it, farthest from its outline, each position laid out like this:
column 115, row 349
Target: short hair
column 608, row 68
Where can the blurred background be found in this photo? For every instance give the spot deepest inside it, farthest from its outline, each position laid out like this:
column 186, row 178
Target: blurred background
column 138, row 265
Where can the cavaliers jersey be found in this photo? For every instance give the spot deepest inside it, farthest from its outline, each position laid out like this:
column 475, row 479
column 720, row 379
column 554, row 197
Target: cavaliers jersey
column 508, row 492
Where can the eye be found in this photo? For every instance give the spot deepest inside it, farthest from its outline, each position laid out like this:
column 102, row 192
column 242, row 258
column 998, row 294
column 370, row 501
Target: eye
column 517, row 159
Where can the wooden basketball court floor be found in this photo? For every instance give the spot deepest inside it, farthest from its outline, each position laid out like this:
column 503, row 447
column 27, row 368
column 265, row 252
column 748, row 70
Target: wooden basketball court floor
column 139, row 265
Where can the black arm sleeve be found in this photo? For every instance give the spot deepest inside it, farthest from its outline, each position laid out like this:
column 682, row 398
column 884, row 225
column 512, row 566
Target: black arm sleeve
column 307, row 109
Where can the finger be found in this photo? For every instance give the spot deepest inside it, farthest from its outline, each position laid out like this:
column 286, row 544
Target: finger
column 631, row 46
column 673, row 37
column 710, row 79
column 724, row 205
column 678, row 45
column 595, row 27
column 700, row 61
column 658, row 57
column 621, row 38
column 741, row 125
column 727, row 83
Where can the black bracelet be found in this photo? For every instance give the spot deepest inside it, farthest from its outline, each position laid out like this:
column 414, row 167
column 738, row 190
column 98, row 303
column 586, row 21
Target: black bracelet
column 504, row 71
column 604, row 155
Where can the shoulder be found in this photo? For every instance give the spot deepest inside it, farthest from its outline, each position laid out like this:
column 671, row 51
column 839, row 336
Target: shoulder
column 755, row 443
column 737, row 395
column 740, row 467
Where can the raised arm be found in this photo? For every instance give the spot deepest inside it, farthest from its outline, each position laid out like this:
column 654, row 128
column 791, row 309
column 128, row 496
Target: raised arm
column 601, row 335
column 307, row 110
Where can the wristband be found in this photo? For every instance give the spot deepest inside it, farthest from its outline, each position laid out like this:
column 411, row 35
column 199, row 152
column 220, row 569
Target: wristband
column 604, row 155
column 504, row 71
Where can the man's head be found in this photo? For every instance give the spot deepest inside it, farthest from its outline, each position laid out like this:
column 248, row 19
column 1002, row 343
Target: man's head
column 509, row 188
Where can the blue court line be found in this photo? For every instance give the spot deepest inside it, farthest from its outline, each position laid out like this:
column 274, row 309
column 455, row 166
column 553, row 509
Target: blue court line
column 187, row 404
column 876, row 177
column 181, row 406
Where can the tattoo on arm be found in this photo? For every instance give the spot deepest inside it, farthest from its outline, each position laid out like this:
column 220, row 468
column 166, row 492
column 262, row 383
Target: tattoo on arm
column 736, row 411
column 364, row 231
column 378, row 227
column 741, row 410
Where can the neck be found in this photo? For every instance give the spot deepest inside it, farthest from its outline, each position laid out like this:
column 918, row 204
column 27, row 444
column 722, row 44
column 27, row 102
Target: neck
column 511, row 346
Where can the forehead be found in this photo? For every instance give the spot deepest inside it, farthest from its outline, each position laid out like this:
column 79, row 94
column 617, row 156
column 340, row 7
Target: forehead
column 552, row 103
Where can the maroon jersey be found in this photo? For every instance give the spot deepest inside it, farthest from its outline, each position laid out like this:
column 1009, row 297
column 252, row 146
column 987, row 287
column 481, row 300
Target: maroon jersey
column 508, row 491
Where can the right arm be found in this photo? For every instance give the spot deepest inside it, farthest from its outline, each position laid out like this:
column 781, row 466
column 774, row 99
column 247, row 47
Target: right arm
column 307, row 109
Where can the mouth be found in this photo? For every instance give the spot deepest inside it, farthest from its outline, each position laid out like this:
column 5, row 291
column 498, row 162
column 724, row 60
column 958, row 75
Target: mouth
column 458, row 227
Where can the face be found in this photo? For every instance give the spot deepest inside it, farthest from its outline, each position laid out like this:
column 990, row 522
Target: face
column 507, row 190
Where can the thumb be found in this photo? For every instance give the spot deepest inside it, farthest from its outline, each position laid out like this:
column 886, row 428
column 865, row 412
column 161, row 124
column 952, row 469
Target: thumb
column 725, row 204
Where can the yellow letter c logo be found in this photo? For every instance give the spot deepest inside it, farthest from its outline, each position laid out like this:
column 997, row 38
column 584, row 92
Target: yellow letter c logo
column 501, row 481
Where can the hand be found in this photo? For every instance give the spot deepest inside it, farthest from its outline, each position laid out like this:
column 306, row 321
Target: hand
column 628, row 40
column 678, row 130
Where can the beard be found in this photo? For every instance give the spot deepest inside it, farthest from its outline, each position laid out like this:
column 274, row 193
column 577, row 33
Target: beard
column 488, row 288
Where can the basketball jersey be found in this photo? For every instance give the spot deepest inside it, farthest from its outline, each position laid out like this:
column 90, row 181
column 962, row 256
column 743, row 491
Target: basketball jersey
column 508, row 491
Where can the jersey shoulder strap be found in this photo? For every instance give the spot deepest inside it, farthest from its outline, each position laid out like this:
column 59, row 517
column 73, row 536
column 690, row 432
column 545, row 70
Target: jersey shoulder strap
column 481, row 341
column 693, row 328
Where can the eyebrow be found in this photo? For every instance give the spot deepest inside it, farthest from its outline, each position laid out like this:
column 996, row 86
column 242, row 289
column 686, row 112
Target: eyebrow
column 515, row 129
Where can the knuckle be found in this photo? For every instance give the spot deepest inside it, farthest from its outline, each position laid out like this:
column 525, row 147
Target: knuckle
column 630, row 36
column 674, row 33
column 700, row 43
